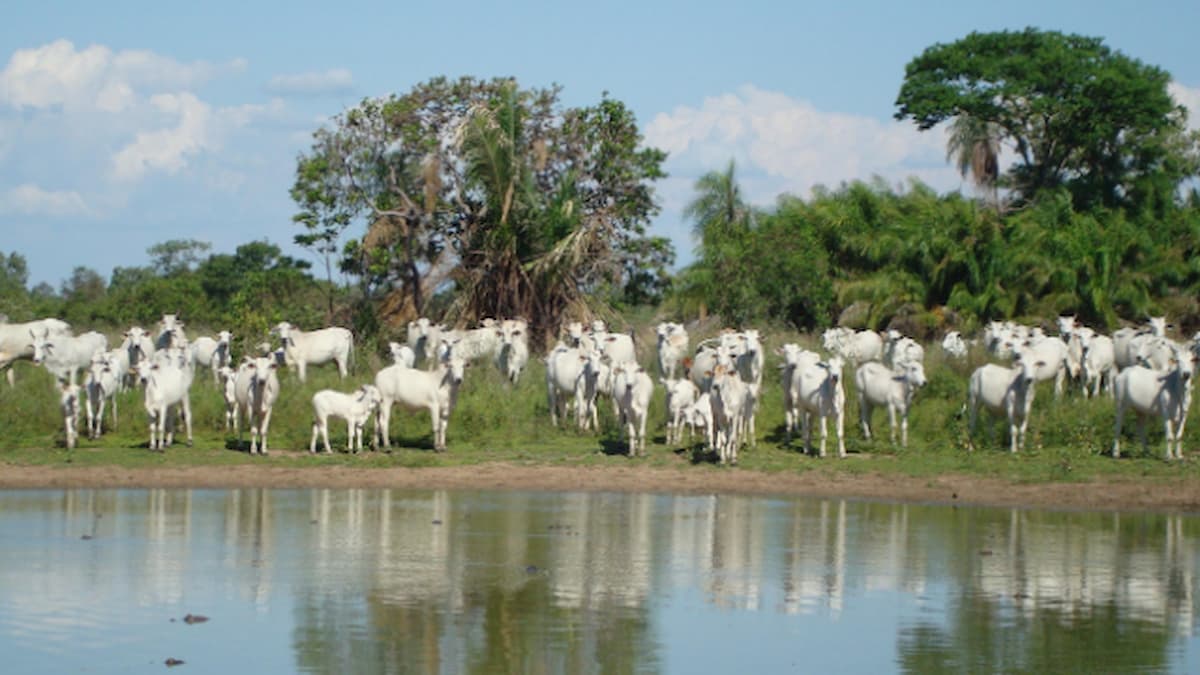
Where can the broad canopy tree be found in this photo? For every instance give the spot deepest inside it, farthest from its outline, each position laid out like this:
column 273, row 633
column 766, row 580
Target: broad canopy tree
column 1076, row 113
column 495, row 195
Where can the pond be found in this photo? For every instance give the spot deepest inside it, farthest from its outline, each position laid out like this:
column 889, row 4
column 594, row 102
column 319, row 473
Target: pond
column 337, row 581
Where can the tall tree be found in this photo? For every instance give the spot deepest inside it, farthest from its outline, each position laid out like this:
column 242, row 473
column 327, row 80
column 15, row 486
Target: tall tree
column 718, row 209
column 974, row 147
column 1077, row 113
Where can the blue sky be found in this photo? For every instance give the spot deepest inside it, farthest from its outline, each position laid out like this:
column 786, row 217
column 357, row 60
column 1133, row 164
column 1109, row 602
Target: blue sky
column 124, row 124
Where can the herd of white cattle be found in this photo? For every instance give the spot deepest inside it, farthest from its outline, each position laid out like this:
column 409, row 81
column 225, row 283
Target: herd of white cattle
column 713, row 391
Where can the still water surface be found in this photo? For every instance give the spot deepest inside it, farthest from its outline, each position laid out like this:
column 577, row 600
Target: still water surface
column 340, row 581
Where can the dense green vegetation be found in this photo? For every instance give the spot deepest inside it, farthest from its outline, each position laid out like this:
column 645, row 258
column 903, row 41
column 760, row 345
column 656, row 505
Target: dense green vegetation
column 468, row 198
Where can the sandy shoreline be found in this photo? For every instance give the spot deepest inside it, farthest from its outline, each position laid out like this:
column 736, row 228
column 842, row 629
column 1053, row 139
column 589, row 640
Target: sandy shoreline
column 948, row 489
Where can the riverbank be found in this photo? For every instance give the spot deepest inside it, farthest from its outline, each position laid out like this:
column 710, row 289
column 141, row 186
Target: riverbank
column 1158, row 494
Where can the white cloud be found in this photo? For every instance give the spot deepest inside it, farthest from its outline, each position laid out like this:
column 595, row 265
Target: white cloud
column 166, row 149
column 57, row 74
column 1188, row 97
column 782, row 144
column 31, row 200
column 333, row 81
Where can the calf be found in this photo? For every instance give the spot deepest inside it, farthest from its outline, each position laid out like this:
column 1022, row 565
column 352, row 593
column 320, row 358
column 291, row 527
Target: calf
column 103, row 382
column 954, row 345
column 256, row 390
column 894, row 388
column 166, row 386
column 355, row 408
column 305, row 348
column 1003, row 390
column 681, row 396
column 730, row 399
column 1166, row 393
column 596, row 379
column 68, row 406
column 65, row 355
column 435, row 391
column 632, row 389
column 402, row 355
column 901, row 349
column 564, row 371
column 228, row 382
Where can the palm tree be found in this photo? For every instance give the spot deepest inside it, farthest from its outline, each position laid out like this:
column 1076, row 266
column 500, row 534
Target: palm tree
column 974, row 147
column 718, row 210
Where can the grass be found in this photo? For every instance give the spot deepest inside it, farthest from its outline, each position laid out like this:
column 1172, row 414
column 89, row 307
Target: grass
column 1068, row 440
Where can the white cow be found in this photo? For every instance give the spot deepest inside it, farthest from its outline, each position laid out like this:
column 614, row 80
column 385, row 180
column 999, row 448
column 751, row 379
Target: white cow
column 820, row 393
column 256, row 390
column 699, row 415
column 354, row 407
column 1098, row 367
column 853, row 347
column 138, row 347
column 681, row 397
column 103, row 383
column 672, row 347
column 618, row 347
column 170, row 332
column 729, row 399
column 305, row 348
column 900, row 349
column 632, row 389
column 166, row 384
column 1163, row 393
column 564, row 377
column 881, row 386
column 228, row 381
column 514, row 348
column 1007, row 391
column 15, row 344
column 435, row 391
column 596, row 379
column 796, row 360
column 954, row 345
column 212, row 352
column 474, row 344
column 402, row 355
column 576, row 337
column 1050, row 355
column 423, row 338
column 66, row 355
column 68, row 406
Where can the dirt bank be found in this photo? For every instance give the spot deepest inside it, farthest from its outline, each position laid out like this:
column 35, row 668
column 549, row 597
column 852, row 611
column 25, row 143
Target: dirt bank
column 1111, row 494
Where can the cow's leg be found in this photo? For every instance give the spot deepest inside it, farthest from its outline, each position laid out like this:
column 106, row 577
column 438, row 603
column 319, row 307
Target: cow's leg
column 316, row 431
column 266, row 424
column 1116, row 446
column 864, row 416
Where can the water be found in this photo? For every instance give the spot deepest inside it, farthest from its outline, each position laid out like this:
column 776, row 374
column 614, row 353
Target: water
column 337, row 581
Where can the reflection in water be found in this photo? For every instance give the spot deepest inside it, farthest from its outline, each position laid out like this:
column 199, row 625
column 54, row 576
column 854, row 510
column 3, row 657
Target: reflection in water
column 436, row 581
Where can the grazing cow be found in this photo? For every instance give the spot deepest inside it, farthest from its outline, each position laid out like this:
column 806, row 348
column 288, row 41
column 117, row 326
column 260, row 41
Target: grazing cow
column 632, row 390
column 681, row 396
column 672, row 347
column 315, row 347
column 1098, row 368
column 65, row 355
column 103, row 382
column 68, row 405
column 954, row 345
column 15, row 345
column 423, row 338
column 212, row 353
column 730, row 399
column 514, row 348
column 853, row 347
column 564, row 377
column 435, row 391
column 1165, row 393
column 1003, row 390
column 355, row 408
column 820, row 392
column 170, row 332
column 166, row 384
column 900, row 349
column 402, row 355
column 796, row 360
column 881, row 386
column 228, row 381
column 256, row 390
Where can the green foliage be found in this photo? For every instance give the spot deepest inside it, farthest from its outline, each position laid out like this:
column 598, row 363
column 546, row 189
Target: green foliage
column 1078, row 114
